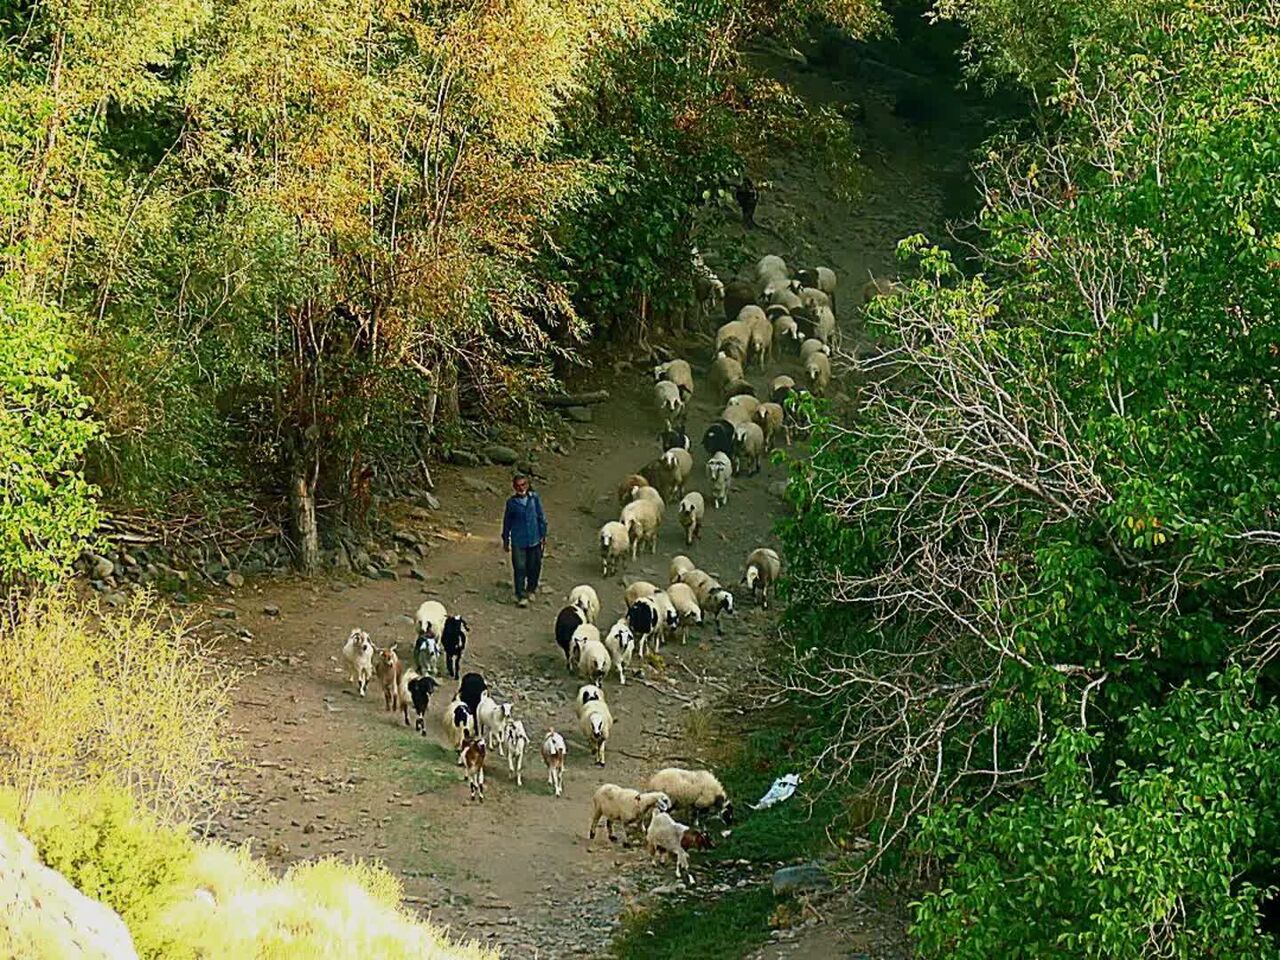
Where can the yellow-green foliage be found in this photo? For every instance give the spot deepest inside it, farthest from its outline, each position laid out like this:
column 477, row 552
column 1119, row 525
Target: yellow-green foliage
column 184, row 899
column 130, row 700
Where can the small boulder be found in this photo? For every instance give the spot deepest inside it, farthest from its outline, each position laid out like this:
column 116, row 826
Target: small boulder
column 234, row 579
column 499, row 453
column 271, row 610
column 102, row 567
column 804, row 878
column 579, row 414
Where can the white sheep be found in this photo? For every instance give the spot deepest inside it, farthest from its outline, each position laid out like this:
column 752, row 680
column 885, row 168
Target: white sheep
column 620, row 805
column 811, row 346
column 771, row 419
column 736, row 330
column 584, row 597
column 654, row 496
column 621, row 644
column 748, row 446
column 554, row 751
column 759, row 334
column 787, row 331
column 492, row 719
column 669, row 402
column 720, row 477
column 594, row 661
column 596, row 723
column 680, row 464
column 737, row 414
column 743, row 402
column 818, row 369
column 581, row 634
column 358, row 652
column 697, row 791
column 764, row 566
column 516, row 740
column 665, row 836
column 677, row 372
column 637, row 590
column 724, row 371
column 685, row 603
column 615, row 547
column 692, row 508
column 642, row 520
column 679, row 564
column 771, row 267
column 824, row 324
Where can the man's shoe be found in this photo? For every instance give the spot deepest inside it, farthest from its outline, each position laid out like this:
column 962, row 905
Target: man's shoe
column 522, row 602
column 533, row 591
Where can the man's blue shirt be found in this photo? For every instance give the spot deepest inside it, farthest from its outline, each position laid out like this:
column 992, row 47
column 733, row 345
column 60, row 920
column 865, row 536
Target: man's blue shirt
column 524, row 524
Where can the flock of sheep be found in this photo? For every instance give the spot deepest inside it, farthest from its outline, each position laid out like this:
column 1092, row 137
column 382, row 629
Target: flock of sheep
column 774, row 312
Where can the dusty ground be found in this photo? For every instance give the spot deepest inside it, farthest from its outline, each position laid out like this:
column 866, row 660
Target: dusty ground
column 331, row 774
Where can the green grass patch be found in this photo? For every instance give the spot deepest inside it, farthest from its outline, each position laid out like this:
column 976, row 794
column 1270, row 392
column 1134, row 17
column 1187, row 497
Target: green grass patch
column 723, row 928
column 421, row 765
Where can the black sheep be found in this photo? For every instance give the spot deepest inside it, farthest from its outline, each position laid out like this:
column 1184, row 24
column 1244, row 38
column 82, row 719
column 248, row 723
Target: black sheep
column 719, row 438
column 454, row 640
column 673, row 439
column 568, row 620
column 420, row 691
column 469, row 691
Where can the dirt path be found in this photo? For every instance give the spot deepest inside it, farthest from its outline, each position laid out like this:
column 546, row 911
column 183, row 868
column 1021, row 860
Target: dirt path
column 333, row 775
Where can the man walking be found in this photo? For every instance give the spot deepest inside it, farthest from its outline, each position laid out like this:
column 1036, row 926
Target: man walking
column 524, row 533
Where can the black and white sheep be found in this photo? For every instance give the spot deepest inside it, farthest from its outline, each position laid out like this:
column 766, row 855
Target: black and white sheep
column 568, row 620
column 420, row 690
column 719, row 438
column 621, row 644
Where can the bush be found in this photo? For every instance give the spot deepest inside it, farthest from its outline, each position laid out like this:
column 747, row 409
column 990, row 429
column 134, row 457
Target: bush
column 131, row 700
column 183, row 898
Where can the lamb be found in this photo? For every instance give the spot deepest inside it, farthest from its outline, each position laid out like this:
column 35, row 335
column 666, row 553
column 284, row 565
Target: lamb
column 677, row 372
column 473, row 756
column 358, row 652
column 387, row 668
column 628, row 488
column 719, row 438
column 750, row 447
column 615, row 547
column 685, row 603
column 596, row 723
column 692, row 508
column 459, row 720
column 670, row 403
column 818, row 369
column 680, row 464
column 554, row 751
column 724, row 370
column 593, row 660
column 764, row 566
column 471, row 689
column 672, row 438
column 454, row 642
column 787, row 331
column 811, row 346
column 771, row 419
column 636, row 590
column 665, row 836
column 695, row 790
column 492, row 719
column 515, row 740
column 621, row 644
column 568, row 620
column 642, row 520
column 622, row 806
column 584, row 597
column 720, row 477
column 420, row 690
column 679, row 564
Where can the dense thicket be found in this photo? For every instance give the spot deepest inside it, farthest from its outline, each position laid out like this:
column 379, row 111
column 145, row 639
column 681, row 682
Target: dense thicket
column 1037, row 569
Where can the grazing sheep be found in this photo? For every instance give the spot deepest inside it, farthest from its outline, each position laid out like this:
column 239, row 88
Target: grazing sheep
column 619, row 805
column 670, row 403
column 692, row 508
column 596, row 723
column 719, row 438
column 584, row 597
column 811, row 346
column 818, row 369
column 787, row 332
column 455, row 643
column 668, row 439
column 568, row 620
column 720, row 477
column 680, row 464
column 685, row 603
column 459, row 720
column 473, row 757
column 621, row 644
column 750, row 448
column 771, row 419
column 386, row 666
column 420, row 691
column 588, row 692
column 679, row 564
column 492, row 719
column 636, row 590
column 642, row 520
column 697, row 791
column 615, row 547
column 554, row 751
column 724, row 371
column 628, row 488
column 764, row 566
column 594, row 662
column 515, row 740
column 471, row 689
column 358, row 652
column 677, row 372
column 665, row 836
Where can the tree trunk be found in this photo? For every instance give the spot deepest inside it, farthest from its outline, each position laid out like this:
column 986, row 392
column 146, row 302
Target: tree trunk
column 302, row 495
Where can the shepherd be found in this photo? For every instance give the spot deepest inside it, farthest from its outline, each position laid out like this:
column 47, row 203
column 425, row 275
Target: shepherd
column 524, row 534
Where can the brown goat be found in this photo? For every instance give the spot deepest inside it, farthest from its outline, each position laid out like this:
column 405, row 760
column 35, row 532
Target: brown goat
column 386, row 666
column 473, row 756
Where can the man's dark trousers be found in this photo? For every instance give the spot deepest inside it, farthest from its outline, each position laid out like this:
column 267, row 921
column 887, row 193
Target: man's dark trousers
column 526, row 565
